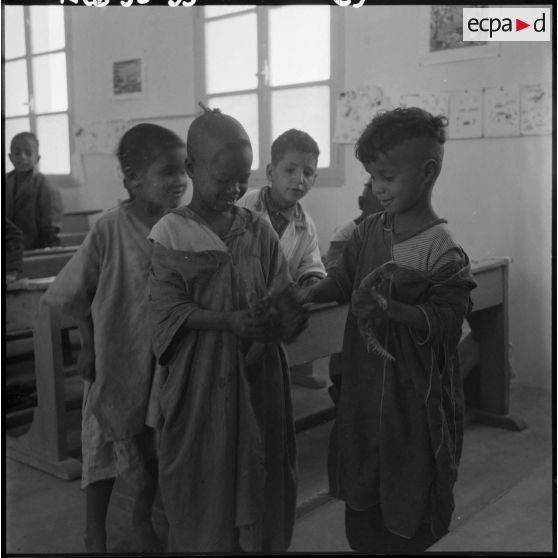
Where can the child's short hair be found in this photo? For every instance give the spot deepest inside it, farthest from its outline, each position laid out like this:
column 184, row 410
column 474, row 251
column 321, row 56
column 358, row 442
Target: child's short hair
column 25, row 135
column 293, row 140
column 143, row 143
column 213, row 123
column 390, row 128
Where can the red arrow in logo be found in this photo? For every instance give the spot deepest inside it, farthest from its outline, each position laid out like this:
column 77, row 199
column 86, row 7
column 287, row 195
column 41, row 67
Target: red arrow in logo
column 519, row 25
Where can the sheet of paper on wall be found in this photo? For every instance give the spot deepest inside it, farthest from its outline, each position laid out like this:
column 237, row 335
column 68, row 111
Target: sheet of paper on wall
column 465, row 114
column 535, row 109
column 436, row 103
column 101, row 170
column 354, row 110
column 100, row 137
column 97, row 139
column 501, row 112
column 409, row 100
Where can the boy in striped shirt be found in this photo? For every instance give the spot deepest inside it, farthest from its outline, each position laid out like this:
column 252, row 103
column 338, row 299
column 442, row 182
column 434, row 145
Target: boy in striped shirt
column 397, row 439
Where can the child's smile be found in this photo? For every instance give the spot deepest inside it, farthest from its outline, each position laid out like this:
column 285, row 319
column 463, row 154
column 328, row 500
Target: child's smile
column 163, row 184
column 397, row 179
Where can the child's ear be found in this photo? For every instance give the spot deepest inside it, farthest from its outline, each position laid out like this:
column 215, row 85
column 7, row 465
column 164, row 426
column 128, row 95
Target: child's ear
column 131, row 175
column 269, row 172
column 131, row 179
column 38, row 158
column 431, row 170
column 189, row 164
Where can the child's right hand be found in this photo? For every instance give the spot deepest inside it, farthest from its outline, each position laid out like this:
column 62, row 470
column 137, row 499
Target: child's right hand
column 246, row 323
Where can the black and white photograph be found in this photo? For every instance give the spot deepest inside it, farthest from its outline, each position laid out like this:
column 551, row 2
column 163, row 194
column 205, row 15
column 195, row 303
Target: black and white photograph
column 279, row 278
column 127, row 78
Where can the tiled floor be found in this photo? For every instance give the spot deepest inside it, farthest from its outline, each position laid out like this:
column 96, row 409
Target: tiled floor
column 503, row 495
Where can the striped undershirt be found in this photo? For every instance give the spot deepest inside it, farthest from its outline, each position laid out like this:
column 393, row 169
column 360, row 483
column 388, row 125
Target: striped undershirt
column 429, row 250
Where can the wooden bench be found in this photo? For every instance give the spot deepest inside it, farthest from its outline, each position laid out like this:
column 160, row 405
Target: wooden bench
column 45, row 445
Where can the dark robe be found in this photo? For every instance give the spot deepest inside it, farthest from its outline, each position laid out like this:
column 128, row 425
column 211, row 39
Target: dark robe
column 398, row 434
column 35, row 207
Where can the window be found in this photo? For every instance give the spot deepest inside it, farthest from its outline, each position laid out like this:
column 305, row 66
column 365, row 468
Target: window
column 273, row 68
column 35, row 82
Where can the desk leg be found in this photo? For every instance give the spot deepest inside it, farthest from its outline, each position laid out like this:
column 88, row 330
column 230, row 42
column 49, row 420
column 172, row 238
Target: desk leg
column 44, row 446
column 490, row 329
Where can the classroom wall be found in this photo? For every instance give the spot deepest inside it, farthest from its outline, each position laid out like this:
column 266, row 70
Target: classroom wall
column 162, row 37
column 495, row 193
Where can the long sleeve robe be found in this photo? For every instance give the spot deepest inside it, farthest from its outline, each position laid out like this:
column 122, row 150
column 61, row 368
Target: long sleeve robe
column 399, row 429
column 227, row 445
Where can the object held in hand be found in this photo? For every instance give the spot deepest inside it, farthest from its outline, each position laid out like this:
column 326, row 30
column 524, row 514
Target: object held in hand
column 288, row 315
column 369, row 302
column 288, row 319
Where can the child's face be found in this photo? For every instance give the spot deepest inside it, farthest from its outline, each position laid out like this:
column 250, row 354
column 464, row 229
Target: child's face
column 221, row 177
column 292, row 177
column 164, row 182
column 399, row 179
column 24, row 154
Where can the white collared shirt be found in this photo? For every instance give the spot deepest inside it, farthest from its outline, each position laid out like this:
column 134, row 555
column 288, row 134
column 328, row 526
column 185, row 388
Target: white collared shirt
column 299, row 242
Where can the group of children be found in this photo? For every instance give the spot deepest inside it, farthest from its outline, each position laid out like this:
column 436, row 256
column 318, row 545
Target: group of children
column 171, row 306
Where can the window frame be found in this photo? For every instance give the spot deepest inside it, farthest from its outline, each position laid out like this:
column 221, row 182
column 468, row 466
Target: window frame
column 58, row 178
column 327, row 176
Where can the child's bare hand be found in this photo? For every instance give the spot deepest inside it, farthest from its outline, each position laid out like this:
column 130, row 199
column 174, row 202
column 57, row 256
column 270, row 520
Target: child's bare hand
column 290, row 317
column 246, row 323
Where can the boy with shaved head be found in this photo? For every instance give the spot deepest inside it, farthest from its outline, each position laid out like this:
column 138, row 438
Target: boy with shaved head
column 227, row 444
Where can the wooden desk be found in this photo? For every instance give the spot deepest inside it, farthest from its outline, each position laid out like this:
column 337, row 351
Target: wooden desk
column 489, row 324
column 46, row 262
column 45, row 445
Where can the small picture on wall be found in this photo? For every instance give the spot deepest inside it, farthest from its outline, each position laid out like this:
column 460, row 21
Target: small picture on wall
column 442, row 29
column 128, row 78
column 446, row 28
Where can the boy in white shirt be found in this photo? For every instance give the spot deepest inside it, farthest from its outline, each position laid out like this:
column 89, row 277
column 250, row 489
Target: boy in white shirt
column 291, row 174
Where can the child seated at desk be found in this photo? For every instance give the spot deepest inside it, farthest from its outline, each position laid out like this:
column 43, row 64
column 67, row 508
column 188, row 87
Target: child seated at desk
column 291, row 174
column 396, row 442
column 32, row 204
column 368, row 204
column 104, row 287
